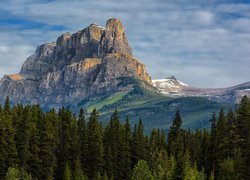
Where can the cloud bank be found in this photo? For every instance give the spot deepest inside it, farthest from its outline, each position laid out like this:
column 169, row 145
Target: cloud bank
column 204, row 44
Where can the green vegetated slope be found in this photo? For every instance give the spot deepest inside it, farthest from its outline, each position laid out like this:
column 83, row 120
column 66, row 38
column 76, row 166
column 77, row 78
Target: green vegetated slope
column 156, row 110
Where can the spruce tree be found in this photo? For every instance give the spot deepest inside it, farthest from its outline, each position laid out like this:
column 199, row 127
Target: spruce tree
column 63, row 151
column 95, row 146
column 78, row 173
column 212, row 149
column 82, row 130
column 141, row 171
column 127, row 150
column 243, row 122
column 232, row 136
column 23, row 137
column 48, row 145
column 221, row 137
column 8, row 152
column 67, row 175
column 175, row 139
column 33, row 161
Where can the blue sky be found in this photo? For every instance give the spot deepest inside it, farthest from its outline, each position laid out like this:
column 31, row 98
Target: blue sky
column 203, row 43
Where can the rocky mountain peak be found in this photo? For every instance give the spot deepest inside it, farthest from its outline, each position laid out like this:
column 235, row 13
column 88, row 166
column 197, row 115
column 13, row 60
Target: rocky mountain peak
column 172, row 77
column 114, row 39
column 91, row 62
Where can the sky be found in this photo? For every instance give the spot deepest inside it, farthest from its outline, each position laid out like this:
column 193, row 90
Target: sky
column 204, row 43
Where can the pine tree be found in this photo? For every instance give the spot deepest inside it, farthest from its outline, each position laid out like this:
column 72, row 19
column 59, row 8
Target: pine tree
column 82, row 130
column 138, row 147
column 227, row 169
column 243, row 131
column 232, row 136
column 67, row 172
column 141, row 171
column 221, row 137
column 243, row 122
column 8, row 152
column 171, row 166
column 33, row 161
column 74, row 146
column 108, row 163
column 48, row 145
column 127, row 150
column 63, row 152
column 95, row 146
column 12, row 174
column 178, row 171
column 78, row 173
column 16, row 174
column 112, row 138
column 175, row 140
column 3, row 145
column 23, row 137
column 212, row 146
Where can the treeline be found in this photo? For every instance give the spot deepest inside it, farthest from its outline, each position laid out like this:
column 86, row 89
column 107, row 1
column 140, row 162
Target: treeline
column 59, row 145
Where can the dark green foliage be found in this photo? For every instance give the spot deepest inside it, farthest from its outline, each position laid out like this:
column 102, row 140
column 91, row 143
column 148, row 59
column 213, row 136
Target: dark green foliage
column 95, row 146
column 8, row 152
column 67, row 172
column 16, row 174
column 82, row 130
column 175, row 136
column 141, row 171
column 57, row 145
column 48, row 144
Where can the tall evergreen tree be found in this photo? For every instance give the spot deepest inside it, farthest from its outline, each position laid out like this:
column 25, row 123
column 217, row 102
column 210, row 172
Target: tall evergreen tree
column 127, row 149
column 232, row 136
column 221, row 137
column 8, row 152
column 95, row 146
column 23, row 137
column 48, row 145
column 138, row 148
column 175, row 139
column 243, row 122
column 33, row 161
column 82, row 130
column 212, row 151
column 63, row 152
column 141, row 171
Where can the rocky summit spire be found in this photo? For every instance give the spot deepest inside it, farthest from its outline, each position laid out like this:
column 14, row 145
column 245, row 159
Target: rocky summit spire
column 114, row 39
column 90, row 63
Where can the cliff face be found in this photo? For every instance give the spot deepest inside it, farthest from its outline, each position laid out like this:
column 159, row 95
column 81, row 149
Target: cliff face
column 85, row 64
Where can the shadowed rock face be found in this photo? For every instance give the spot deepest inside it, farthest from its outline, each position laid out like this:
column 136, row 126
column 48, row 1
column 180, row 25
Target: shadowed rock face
column 75, row 67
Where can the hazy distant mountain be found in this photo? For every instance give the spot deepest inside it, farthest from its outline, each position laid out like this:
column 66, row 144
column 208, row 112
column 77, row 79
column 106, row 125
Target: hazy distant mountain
column 173, row 87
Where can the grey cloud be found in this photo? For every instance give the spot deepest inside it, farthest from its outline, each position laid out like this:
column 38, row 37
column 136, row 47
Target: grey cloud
column 193, row 41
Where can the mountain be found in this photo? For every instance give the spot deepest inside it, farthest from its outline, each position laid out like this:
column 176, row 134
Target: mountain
column 173, row 87
column 169, row 85
column 95, row 68
column 88, row 64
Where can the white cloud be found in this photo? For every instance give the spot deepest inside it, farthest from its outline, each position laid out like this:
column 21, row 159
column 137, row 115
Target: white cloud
column 203, row 44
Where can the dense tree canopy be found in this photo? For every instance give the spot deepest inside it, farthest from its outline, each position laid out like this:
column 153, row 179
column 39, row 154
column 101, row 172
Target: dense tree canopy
column 58, row 145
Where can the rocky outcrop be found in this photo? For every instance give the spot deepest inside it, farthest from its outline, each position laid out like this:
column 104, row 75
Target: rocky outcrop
column 113, row 39
column 77, row 66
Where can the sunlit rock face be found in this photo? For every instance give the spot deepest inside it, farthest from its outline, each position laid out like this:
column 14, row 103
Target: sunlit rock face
column 77, row 66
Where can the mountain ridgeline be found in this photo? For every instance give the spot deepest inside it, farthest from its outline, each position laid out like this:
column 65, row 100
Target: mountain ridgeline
column 95, row 69
column 89, row 63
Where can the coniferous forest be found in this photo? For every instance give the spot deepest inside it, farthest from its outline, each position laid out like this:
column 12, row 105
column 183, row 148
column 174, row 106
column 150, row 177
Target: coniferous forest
column 59, row 145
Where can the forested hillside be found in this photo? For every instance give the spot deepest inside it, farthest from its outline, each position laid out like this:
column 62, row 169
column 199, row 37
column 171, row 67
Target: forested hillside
column 59, row 145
